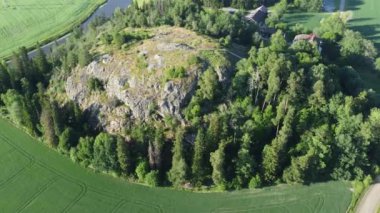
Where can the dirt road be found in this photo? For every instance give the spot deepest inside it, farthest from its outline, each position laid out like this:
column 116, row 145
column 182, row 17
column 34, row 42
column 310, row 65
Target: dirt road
column 370, row 203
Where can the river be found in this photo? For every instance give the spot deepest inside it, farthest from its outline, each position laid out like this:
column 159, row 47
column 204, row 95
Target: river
column 106, row 10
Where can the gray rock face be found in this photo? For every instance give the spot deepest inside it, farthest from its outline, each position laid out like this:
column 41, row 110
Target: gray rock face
column 135, row 85
column 124, row 96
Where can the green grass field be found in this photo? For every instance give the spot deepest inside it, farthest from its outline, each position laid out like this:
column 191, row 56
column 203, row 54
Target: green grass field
column 366, row 18
column 308, row 20
column 26, row 22
column 34, row 178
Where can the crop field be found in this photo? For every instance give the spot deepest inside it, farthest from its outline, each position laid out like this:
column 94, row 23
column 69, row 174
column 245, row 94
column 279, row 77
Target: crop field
column 26, row 22
column 34, row 178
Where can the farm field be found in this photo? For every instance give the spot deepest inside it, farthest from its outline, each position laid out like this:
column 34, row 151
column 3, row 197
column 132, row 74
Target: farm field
column 35, row 178
column 26, row 22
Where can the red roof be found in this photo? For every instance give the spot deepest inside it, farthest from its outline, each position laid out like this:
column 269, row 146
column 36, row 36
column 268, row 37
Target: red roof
column 309, row 37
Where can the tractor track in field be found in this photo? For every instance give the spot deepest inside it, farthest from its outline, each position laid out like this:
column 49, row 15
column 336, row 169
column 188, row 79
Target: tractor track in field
column 38, row 193
column 56, row 172
column 20, row 171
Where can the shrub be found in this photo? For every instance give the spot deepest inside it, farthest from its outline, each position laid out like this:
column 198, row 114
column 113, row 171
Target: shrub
column 377, row 65
column 95, row 84
column 255, row 182
column 152, row 178
column 141, row 171
column 174, row 73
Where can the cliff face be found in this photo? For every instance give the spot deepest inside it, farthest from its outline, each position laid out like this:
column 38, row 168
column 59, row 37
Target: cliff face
column 152, row 78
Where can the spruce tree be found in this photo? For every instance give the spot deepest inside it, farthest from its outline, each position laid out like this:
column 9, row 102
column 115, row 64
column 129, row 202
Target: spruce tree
column 199, row 168
column 178, row 173
column 123, row 156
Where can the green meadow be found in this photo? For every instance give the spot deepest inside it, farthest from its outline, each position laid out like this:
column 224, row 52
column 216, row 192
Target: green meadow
column 26, row 22
column 366, row 18
column 35, row 178
column 308, row 20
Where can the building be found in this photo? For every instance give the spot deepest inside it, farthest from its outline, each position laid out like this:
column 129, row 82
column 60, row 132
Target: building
column 312, row 38
column 258, row 15
column 230, row 10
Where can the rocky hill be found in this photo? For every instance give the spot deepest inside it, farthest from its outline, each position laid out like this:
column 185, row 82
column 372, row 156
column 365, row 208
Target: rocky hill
column 147, row 79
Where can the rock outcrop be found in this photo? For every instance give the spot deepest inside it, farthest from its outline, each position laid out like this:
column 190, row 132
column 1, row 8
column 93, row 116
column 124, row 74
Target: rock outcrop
column 135, row 84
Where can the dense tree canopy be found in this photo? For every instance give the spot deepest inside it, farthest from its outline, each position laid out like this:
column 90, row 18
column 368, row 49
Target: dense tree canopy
column 290, row 112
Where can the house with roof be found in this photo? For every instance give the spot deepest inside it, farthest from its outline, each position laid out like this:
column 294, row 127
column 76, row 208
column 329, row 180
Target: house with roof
column 258, row 15
column 311, row 38
column 230, row 10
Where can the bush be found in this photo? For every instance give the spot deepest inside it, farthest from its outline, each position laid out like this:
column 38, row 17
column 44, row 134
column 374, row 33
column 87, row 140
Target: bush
column 106, row 39
column 141, row 171
column 119, row 39
column 309, row 5
column 95, row 84
column 377, row 65
column 84, row 57
column 152, row 178
column 255, row 182
column 73, row 155
column 174, row 73
column 226, row 41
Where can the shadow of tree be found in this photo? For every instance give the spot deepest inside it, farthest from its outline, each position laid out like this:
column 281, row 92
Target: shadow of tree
column 370, row 31
column 298, row 18
column 357, row 20
column 354, row 4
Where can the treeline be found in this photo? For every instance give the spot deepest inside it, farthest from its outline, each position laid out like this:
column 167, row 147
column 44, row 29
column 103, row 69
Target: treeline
column 308, row 5
column 24, row 98
column 190, row 14
column 240, row 4
column 292, row 112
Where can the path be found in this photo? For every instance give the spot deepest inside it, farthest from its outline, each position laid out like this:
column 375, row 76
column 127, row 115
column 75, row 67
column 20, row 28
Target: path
column 370, row 202
column 234, row 54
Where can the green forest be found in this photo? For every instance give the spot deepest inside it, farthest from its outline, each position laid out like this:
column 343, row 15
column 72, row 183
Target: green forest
column 291, row 111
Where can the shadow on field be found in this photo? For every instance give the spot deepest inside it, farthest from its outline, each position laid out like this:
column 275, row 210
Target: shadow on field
column 298, row 18
column 370, row 31
column 357, row 20
column 354, row 4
